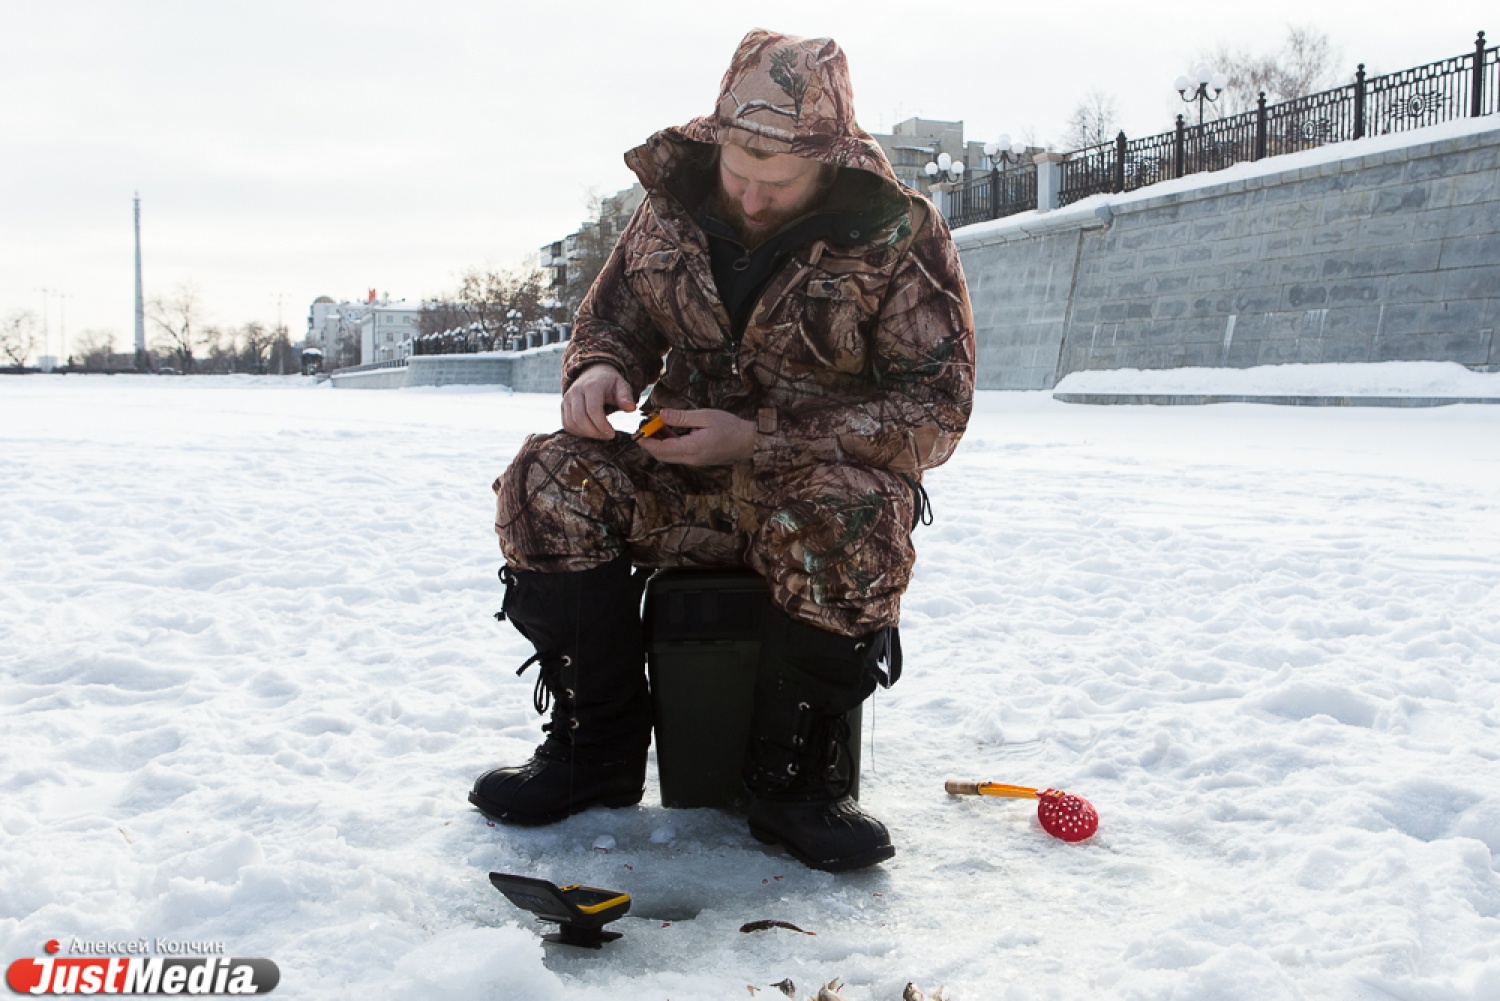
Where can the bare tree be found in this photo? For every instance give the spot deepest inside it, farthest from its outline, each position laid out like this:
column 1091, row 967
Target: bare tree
column 1309, row 63
column 440, row 316
column 1306, row 63
column 587, row 251
column 526, row 285
column 488, row 297
column 590, row 247
column 482, row 295
column 255, row 341
column 1095, row 120
column 18, row 337
column 178, row 319
column 219, row 349
column 96, row 348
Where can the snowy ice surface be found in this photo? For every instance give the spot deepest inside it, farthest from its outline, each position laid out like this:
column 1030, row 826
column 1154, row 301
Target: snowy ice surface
column 249, row 674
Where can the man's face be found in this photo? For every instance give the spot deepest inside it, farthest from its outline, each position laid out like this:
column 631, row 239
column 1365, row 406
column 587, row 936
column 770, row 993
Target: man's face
column 759, row 196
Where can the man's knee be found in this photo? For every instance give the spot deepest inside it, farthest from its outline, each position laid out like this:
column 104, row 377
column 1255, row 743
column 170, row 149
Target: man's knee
column 842, row 510
column 555, row 499
column 836, row 546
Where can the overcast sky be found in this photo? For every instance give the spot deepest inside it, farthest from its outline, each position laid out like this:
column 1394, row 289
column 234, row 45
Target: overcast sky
column 286, row 149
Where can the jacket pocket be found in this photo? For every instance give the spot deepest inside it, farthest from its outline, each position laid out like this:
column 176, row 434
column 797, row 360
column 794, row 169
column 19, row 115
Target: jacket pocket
column 672, row 299
column 833, row 323
column 650, row 276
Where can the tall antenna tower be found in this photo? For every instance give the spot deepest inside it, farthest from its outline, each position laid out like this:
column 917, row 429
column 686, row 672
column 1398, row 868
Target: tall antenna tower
column 140, row 301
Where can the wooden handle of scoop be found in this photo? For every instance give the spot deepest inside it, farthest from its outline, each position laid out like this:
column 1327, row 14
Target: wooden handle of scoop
column 957, row 788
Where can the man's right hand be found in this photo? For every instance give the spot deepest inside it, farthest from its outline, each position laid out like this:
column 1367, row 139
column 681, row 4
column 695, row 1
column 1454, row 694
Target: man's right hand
column 583, row 404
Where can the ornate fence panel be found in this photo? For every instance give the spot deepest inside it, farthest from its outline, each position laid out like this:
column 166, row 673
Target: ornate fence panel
column 1437, row 92
column 1315, row 120
column 972, row 202
column 1016, row 189
column 994, row 194
column 1149, row 160
column 1218, row 144
column 1088, row 172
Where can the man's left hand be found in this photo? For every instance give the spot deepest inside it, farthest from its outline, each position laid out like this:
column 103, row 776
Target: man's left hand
column 705, row 438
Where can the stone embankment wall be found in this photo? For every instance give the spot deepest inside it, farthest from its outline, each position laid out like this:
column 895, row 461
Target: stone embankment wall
column 538, row 370
column 1391, row 255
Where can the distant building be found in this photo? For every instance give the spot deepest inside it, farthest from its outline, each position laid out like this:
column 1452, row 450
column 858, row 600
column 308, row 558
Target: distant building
column 387, row 330
column 333, row 328
column 323, row 326
column 553, row 259
column 359, row 333
column 914, row 143
column 572, row 262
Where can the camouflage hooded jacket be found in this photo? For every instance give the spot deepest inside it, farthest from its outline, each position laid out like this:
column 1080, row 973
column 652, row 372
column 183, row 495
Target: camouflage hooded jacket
column 860, row 348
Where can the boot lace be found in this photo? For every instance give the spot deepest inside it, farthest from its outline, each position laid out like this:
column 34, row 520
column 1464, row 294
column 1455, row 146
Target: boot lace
column 547, row 682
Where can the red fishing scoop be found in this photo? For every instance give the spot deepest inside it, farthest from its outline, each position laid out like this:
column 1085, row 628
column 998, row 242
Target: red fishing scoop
column 1062, row 814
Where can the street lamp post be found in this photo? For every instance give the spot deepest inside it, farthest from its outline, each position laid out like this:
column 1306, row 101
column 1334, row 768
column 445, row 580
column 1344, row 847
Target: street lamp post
column 46, row 353
column 512, row 328
column 944, row 170
column 549, row 318
column 1003, row 153
column 62, row 328
column 944, row 175
column 1207, row 79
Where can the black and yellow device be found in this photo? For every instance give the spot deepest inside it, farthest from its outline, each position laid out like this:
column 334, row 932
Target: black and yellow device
column 652, row 426
column 581, row 912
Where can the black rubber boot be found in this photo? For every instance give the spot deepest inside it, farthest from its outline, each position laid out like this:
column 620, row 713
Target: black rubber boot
column 586, row 628
column 798, row 766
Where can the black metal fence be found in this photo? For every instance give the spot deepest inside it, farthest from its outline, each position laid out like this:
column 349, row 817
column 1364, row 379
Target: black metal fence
column 466, row 341
column 1092, row 169
column 999, row 193
column 474, row 339
column 1462, row 86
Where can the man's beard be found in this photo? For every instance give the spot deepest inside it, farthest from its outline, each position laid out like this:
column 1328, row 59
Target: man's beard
column 754, row 232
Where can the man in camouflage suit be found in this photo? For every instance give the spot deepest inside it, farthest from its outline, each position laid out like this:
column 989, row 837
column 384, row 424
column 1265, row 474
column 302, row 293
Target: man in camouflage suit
column 802, row 321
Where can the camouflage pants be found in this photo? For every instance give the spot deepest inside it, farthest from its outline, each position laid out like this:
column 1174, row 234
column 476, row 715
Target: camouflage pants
column 833, row 541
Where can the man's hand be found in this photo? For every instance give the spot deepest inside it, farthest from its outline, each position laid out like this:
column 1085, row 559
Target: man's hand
column 706, row 438
column 583, row 404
